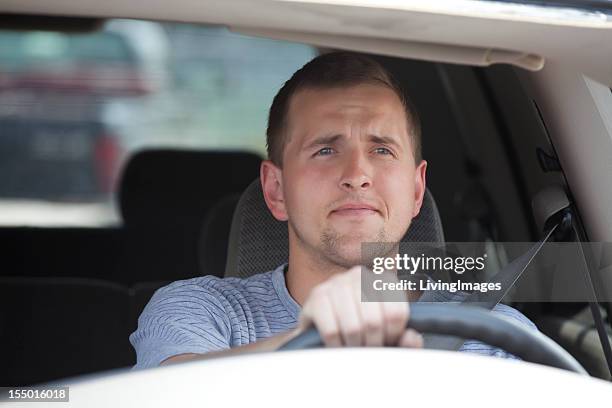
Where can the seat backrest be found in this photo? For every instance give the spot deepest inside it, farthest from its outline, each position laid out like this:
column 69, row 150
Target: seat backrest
column 60, row 327
column 215, row 236
column 259, row 243
column 164, row 197
column 53, row 328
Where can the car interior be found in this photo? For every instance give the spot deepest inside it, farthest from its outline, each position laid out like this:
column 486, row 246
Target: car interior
column 71, row 294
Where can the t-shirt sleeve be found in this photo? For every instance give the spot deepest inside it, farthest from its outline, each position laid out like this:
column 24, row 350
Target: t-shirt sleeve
column 183, row 317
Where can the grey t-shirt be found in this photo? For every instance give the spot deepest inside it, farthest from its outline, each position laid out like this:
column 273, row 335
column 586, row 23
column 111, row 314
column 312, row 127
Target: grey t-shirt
column 208, row 313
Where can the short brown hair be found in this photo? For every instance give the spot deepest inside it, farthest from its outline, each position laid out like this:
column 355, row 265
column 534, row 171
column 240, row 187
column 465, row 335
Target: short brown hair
column 334, row 70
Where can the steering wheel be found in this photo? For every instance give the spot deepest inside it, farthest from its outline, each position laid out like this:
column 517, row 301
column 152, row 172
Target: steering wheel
column 472, row 323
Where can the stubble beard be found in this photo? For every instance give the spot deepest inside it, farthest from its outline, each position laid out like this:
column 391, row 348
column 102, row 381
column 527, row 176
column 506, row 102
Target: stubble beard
column 328, row 250
column 331, row 246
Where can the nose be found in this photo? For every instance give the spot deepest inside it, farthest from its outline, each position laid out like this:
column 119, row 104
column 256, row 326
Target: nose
column 355, row 175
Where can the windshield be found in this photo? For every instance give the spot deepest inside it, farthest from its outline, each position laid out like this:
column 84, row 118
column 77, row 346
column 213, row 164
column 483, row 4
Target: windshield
column 140, row 225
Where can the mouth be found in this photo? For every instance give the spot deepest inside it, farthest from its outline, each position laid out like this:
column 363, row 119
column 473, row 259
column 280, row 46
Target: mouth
column 355, row 210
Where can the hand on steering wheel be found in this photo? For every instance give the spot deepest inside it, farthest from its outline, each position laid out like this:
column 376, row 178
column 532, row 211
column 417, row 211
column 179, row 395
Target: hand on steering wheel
column 472, row 323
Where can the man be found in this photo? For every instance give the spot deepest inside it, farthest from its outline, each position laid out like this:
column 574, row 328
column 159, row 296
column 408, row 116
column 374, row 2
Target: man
column 344, row 168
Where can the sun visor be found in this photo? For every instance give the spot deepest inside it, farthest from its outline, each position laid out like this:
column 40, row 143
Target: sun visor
column 575, row 36
column 407, row 49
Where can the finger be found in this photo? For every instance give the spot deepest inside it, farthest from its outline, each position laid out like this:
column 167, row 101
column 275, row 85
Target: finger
column 324, row 319
column 395, row 315
column 411, row 338
column 347, row 314
column 371, row 316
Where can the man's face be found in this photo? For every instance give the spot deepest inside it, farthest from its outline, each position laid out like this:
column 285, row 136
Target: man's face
column 348, row 175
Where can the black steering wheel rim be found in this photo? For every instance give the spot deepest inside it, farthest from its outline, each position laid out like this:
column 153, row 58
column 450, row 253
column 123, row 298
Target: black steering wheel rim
column 472, row 323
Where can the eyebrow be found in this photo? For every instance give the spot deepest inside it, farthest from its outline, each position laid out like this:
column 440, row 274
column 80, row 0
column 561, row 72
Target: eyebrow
column 388, row 140
column 331, row 139
column 323, row 140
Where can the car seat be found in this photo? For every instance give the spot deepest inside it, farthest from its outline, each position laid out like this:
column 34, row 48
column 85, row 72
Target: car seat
column 258, row 242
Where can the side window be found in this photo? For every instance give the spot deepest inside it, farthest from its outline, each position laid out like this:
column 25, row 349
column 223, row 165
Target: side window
column 75, row 106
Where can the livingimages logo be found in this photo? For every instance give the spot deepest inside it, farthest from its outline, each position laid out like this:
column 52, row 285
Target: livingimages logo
column 429, row 266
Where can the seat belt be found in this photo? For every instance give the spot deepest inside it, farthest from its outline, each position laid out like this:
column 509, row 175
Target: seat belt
column 488, row 300
column 508, row 277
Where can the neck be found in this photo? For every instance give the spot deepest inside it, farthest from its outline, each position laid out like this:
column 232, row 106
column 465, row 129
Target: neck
column 307, row 269
column 305, row 272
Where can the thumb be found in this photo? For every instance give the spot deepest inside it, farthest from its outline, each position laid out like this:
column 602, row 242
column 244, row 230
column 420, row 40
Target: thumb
column 304, row 322
column 411, row 338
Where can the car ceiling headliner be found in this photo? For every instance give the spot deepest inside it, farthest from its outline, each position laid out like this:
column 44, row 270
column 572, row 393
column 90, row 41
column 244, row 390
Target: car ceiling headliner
column 461, row 31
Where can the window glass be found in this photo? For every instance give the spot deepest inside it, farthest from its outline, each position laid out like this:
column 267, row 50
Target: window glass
column 75, row 106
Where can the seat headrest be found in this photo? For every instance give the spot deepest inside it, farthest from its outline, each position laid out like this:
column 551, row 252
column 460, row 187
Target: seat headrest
column 163, row 184
column 259, row 243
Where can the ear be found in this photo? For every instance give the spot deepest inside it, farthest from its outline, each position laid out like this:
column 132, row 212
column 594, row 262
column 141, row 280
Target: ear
column 419, row 187
column 272, row 187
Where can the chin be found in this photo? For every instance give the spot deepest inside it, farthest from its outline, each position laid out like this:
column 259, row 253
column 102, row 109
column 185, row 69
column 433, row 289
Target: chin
column 348, row 253
column 345, row 261
column 345, row 248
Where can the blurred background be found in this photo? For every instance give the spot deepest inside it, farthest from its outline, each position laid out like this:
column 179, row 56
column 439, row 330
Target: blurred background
column 75, row 106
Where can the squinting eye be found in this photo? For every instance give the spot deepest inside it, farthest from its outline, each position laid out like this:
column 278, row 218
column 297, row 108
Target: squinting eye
column 325, row 151
column 382, row 150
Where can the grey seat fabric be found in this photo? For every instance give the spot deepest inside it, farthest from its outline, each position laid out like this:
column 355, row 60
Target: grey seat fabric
column 259, row 243
column 214, row 236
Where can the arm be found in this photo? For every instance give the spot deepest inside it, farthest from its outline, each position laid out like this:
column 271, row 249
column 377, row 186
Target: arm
column 185, row 317
column 269, row 344
column 336, row 309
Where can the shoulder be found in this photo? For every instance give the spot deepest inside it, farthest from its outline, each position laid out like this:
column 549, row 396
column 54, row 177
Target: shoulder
column 213, row 287
column 195, row 315
column 223, row 299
